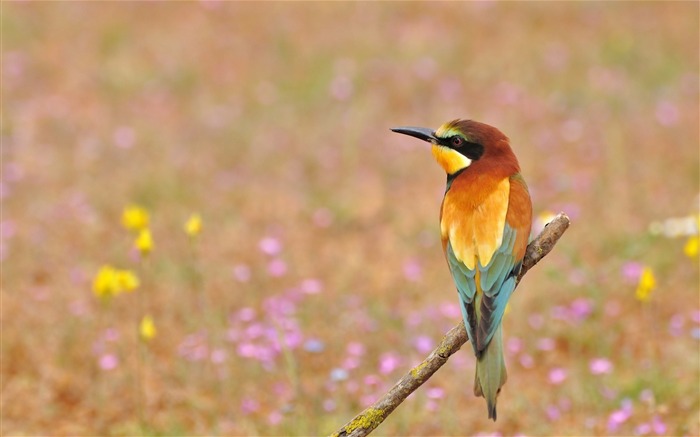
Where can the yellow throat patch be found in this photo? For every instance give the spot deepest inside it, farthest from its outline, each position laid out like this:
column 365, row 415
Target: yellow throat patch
column 449, row 159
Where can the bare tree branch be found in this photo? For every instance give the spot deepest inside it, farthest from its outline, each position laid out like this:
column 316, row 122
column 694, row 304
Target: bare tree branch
column 365, row 422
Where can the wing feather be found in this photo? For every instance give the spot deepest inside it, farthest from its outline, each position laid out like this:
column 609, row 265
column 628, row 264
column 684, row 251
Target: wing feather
column 464, row 279
column 497, row 282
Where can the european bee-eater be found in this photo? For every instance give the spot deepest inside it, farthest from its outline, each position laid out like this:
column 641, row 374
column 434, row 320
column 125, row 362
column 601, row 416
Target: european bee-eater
column 485, row 221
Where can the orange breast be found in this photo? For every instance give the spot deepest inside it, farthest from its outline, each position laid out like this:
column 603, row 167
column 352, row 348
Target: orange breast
column 473, row 216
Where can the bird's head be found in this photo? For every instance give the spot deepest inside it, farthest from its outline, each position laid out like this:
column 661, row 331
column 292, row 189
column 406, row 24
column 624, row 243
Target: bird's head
column 459, row 144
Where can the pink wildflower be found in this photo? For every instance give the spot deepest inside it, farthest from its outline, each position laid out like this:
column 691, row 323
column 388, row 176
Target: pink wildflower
column 435, row 393
column 270, row 246
column 412, row 270
column 355, row 348
column 423, row 344
column 311, row 286
column 388, row 362
column 109, row 362
column 277, row 267
column 557, row 375
column 600, row 366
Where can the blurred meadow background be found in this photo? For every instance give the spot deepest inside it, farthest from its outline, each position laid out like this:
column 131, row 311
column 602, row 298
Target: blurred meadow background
column 309, row 276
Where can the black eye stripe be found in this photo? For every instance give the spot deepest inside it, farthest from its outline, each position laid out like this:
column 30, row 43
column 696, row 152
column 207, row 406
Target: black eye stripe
column 471, row 150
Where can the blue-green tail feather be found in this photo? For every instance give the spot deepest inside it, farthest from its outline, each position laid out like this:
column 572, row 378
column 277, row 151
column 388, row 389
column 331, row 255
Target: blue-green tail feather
column 491, row 373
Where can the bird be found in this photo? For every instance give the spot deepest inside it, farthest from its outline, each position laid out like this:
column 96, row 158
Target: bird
column 485, row 224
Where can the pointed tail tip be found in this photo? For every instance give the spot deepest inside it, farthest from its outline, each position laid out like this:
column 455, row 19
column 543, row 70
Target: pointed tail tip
column 490, row 404
column 492, row 411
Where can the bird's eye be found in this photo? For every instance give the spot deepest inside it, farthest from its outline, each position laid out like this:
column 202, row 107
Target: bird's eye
column 457, row 141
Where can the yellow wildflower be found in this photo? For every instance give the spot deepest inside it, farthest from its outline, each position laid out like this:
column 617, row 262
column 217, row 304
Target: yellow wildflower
column 110, row 281
column 545, row 217
column 144, row 241
column 646, row 285
column 135, row 218
column 542, row 219
column 105, row 283
column 128, row 281
column 691, row 247
column 147, row 329
column 193, row 225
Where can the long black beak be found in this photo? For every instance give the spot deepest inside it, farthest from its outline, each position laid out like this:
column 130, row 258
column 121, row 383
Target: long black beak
column 422, row 133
